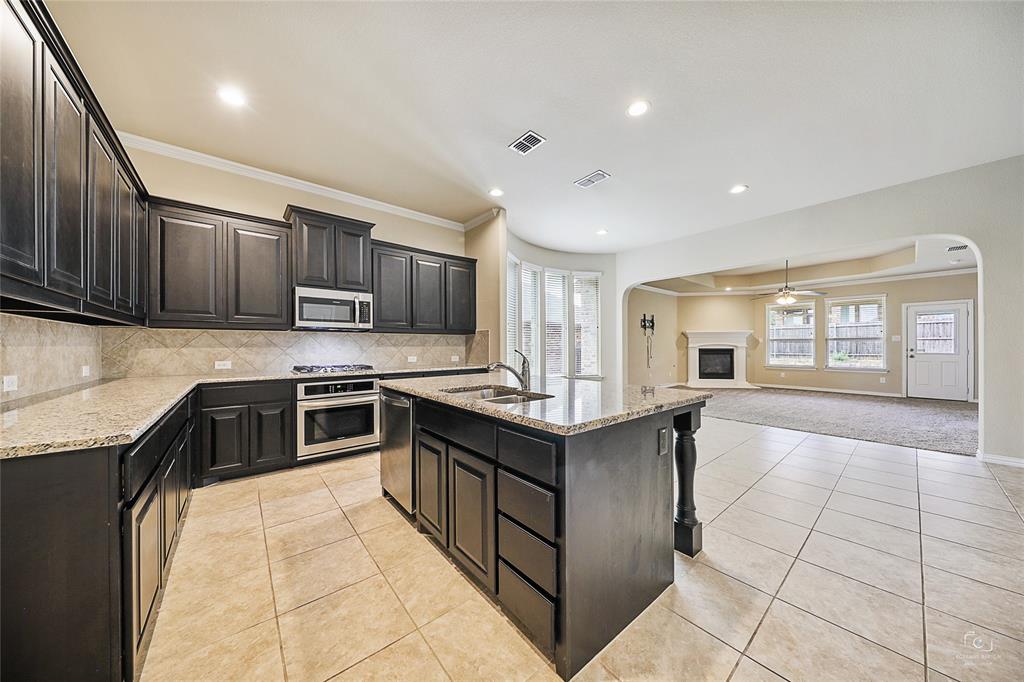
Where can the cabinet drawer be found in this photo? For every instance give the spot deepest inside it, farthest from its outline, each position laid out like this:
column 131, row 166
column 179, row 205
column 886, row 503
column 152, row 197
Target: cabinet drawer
column 534, row 611
column 533, row 557
column 143, row 459
column 528, row 504
column 534, row 457
column 460, row 428
column 245, row 394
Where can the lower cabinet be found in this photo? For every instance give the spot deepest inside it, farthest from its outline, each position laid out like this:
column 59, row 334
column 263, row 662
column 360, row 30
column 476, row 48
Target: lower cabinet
column 225, row 439
column 145, row 561
column 432, row 487
column 246, row 428
column 270, row 434
column 471, row 515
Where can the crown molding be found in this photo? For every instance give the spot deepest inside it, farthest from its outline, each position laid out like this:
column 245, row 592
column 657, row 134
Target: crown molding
column 481, row 219
column 191, row 156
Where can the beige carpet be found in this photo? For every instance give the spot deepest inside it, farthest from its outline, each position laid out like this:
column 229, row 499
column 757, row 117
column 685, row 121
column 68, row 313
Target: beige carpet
column 942, row 425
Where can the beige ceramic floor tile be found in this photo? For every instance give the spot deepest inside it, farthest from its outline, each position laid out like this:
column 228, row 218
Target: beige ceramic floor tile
column 284, row 509
column 660, row 645
column 710, row 486
column 810, row 476
column 995, row 499
column 221, row 525
column 730, row 472
column 881, row 478
column 794, row 511
column 409, row 659
column 223, row 497
column 594, row 672
column 310, row 532
column 989, row 607
column 986, row 567
column 952, row 478
column 883, row 512
column 904, row 543
column 708, row 508
column 885, row 571
column 498, row 651
column 814, row 464
column 885, row 465
column 429, row 587
column 331, row 634
column 765, row 530
column 986, row 516
column 744, row 560
column 967, row 652
column 289, row 484
column 353, row 492
column 722, row 606
column 795, row 490
column 800, row 646
column 844, row 447
column 749, row 670
column 882, row 617
column 371, row 514
column 349, row 469
column 882, row 493
column 974, row 535
column 969, row 467
column 820, row 455
column 253, row 654
column 395, row 543
column 304, row 577
column 201, row 562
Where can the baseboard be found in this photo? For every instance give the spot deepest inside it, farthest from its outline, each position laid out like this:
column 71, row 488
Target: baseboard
column 1001, row 459
column 832, row 390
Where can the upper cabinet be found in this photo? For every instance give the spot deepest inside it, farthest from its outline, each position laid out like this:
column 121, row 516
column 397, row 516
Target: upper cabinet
column 68, row 192
column 331, row 252
column 210, row 268
column 422, row 291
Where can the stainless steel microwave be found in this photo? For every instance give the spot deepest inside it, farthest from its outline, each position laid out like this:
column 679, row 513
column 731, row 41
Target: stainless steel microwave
column 332, row 309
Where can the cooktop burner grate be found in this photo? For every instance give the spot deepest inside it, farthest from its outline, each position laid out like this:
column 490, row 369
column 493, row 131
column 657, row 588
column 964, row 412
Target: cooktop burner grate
column 326, row 369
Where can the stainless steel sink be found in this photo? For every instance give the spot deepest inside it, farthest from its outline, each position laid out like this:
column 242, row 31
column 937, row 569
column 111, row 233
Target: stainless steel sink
column 519, row 397
column 498, row 395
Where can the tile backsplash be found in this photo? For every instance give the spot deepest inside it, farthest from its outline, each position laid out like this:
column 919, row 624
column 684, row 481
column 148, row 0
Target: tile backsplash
column 46, row 356
column 134, row 351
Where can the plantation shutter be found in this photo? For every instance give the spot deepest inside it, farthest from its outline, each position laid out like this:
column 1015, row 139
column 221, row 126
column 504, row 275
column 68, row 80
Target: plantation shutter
column 556, row 322
column 587, row 322
column 511, row 309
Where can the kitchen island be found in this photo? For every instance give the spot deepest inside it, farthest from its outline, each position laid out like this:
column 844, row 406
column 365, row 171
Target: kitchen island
column 557, row 501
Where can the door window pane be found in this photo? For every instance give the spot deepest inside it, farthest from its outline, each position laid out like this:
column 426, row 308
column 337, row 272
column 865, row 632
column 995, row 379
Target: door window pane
column 936, row 333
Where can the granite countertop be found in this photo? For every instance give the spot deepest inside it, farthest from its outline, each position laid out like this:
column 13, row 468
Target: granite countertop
column 119, row 411
column 578, row 404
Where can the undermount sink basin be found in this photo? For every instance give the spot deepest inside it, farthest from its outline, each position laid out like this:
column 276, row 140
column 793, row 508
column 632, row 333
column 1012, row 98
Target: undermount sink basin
column 499, row 395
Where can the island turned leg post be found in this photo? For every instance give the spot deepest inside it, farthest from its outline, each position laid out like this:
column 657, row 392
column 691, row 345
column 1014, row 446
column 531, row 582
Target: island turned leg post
column 688, row 534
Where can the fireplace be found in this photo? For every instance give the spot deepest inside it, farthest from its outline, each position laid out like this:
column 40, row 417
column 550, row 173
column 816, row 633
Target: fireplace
column 716, row 363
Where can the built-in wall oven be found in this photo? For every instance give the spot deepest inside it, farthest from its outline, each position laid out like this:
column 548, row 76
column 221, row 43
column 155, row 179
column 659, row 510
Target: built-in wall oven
column 332, row 309
column 336, row 415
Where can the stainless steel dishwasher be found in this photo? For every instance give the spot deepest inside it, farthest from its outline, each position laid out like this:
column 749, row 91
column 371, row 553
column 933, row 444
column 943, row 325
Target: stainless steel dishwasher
column 396, row 462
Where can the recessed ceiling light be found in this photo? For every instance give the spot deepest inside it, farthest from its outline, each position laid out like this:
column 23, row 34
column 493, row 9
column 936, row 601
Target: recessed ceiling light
column 638, row 108
column 496, row 192
column 728, row 288
column 229, row 94
column 602, row 232
column 739, row 189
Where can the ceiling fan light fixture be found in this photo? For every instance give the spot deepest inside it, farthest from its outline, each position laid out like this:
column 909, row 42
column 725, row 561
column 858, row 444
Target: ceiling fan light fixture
column 786, row 298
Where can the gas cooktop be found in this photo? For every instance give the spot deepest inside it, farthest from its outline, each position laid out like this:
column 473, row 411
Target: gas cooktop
column 326, row 369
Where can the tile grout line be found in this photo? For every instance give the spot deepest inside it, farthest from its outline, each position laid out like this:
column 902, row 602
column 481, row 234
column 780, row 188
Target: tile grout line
column 924, row 606
column 273, row 592
column 1002, row 487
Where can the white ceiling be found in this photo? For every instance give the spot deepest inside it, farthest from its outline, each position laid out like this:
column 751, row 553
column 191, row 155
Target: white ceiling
column 414, row 104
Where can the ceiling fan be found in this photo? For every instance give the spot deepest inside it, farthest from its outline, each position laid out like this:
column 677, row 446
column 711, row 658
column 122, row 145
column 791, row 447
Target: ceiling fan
column 786, row 295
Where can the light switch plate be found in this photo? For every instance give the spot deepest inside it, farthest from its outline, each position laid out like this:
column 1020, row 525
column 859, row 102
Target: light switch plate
column 896, row 338
column 222, row 364
column 86, row 370
column 411, row 358
column 881, row 380
column 11, row 382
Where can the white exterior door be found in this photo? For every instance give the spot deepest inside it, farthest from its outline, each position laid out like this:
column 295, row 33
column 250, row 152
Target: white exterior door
column 939, row 345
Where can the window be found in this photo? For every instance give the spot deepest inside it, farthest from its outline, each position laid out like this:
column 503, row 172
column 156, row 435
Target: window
column 936, row 333
column 553, row 317
column 856, row 333
column 791, row 335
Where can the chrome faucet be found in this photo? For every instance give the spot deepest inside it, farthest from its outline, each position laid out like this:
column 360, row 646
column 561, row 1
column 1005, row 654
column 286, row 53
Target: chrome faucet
column 523, row 375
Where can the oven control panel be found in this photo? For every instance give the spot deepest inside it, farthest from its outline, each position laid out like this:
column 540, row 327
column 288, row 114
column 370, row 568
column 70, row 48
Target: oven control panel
column 331, row 388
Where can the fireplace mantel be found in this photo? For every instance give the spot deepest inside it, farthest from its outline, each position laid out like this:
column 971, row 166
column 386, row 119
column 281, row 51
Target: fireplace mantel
column 718, row 339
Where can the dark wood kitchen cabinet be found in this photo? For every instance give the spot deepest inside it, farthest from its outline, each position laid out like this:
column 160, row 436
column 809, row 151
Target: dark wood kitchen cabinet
column 331, row 251
column 432, row 486
column 392, row 287
column 246, row 428
column 124, row 243
column 101, row 219
column 460, row 296
column 471, row 515
column 270, row 436
column 427, row 292
column 258, row 286
column 140, row 295
column 225, row 446
column 169, row 480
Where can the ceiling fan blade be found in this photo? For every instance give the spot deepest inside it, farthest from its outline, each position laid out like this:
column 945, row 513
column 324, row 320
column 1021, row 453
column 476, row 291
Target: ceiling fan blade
column 810, row 292
column 774, row 293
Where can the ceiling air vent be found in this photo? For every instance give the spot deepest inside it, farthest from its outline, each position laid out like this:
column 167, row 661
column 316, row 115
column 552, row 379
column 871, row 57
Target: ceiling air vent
column 592, row 179
column 527, row 142
column 955, row 249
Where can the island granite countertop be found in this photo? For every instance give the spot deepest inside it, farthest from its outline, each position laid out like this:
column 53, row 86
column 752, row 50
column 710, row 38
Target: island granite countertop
column 119, row 411
column 577, row 405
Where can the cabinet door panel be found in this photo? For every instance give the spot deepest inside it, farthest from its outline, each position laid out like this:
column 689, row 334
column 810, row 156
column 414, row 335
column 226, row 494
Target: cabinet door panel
column 431, row 487
column 184, row 466
column 225, row 434
column 186, row 261
column 353, row 257
column 258, row 276
column 124, row 253
column 270, row 439
column 460, row 296
column 169, row 484
column 427, row 292
column 145, row 561
column 314, row 254
column 101, row 219
column 392, row 289
column 471, row 515
column 64, row 144
column 139, row 296
column 21, row 235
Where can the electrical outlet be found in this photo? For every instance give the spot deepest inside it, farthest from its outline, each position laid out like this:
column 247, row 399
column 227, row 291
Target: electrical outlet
column 86, row 370
column 662, row 441
column 411, row 358
column 455, row 358
column 222, row 364
column 881, row 380
column 782, row 374
column 897, row 338
column 11, row 382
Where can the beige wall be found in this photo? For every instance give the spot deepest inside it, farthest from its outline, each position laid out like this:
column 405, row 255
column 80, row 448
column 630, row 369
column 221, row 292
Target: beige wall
column 46, row 355
column 664, row 365
column 709, row 314
column 487, row 243
column 176, row 179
